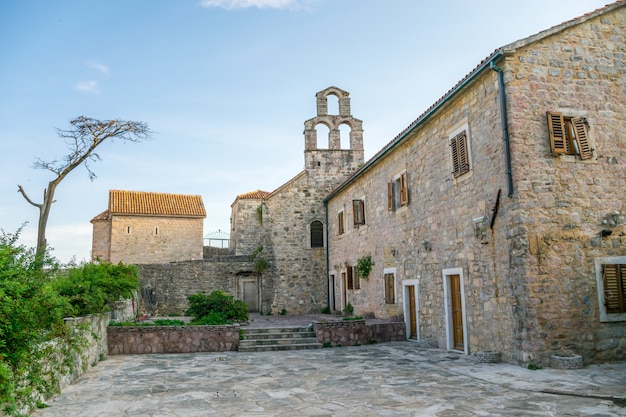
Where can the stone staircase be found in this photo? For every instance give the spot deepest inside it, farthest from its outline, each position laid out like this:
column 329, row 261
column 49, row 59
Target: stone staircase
column 278, row 338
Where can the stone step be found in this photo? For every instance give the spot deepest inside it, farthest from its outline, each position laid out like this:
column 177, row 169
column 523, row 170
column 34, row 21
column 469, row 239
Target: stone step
column 279, row 338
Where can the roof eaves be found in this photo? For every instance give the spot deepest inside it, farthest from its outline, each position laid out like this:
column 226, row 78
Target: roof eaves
column 419, row 121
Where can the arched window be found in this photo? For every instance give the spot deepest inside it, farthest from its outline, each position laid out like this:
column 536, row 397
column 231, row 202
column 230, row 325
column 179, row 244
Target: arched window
column 317, row 234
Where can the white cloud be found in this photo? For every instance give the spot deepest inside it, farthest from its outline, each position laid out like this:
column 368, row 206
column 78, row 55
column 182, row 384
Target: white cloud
column 261, row 4
column 99, row 67
column 88, row 87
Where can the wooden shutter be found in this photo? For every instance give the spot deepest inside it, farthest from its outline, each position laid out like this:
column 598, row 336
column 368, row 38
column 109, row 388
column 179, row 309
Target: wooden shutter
column 581, row 137
column 390, row 297
column 404, row 190
column 460, row 158
column 614, row 288
column 340, row 222
column 358, row 210
column 349, row 278
column 556, row 129
column 390, row 196
column 317, row 234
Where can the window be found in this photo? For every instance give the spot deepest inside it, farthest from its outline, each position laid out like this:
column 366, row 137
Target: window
column 156, row 231
column 460, row 154
column 390, row 288
column 353, row 280
column 358, row 209
column 128, row 230
column 398, row 192
column 568, row 135
column 317, row 234
column 614, row 280
column 611, row 284
column 340, row 222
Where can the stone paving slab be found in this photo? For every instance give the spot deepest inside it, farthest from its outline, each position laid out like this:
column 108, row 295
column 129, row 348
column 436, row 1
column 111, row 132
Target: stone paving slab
column 390, row 380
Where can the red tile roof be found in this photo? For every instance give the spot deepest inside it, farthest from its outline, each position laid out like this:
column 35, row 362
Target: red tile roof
column 253, row 195
column 105, row 215
column 155, row 204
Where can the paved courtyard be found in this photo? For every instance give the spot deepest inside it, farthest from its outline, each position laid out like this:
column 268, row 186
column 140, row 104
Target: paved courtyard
column 392, row 379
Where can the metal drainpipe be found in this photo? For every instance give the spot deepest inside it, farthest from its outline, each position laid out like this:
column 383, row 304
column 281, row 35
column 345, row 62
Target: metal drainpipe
column 327, row 260
column 505, row 129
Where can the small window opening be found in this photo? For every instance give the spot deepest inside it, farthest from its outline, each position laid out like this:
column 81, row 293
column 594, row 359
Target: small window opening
column 128, row 230
column 156, row 231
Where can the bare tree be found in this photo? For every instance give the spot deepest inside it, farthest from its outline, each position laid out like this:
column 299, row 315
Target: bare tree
column 82, row 139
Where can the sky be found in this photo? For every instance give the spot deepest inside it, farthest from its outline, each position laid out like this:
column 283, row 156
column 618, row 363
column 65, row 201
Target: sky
column 225, row 85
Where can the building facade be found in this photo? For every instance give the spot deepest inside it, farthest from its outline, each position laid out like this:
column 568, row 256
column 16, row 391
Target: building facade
column 496, row 220
column 142, row 227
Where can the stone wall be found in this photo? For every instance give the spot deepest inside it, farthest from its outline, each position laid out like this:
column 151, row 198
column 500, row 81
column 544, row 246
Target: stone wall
column 246, row 226
column 165, row 287
column 565, row 203
column 357, row 332
column 155, row 239
column 173, row 339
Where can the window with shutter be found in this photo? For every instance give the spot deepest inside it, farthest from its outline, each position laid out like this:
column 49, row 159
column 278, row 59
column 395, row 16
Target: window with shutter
column 404, row 190
column 390, row 296
column 349, row 278
column 614, row 277
column 460, row 157
column 569, row 135
column 398, row 192
column 358, row 211
column 340, row 223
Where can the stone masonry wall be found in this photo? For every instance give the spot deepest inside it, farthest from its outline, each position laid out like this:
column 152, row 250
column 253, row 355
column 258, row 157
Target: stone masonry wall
column 565, row 203
column 246, row 227
column 435, row 231
column 155, row 239
column 172, row 339
column 357, row 332
column 165, row 287
column 101, row 240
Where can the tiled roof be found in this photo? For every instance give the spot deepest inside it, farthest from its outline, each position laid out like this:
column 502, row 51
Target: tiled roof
column 105, row 215
column 155, row 204
column 253, row 195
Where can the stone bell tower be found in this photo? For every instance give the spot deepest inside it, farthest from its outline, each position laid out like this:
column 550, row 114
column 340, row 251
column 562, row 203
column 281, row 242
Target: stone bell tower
column 333, row 161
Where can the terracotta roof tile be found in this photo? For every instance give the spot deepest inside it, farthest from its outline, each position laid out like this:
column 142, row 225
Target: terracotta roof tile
column 105, row 215
column 253, row 195
column 159, row 204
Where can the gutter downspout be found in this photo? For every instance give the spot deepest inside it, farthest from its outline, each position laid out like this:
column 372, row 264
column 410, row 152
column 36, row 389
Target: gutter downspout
column 505, row 129
column 327, row 255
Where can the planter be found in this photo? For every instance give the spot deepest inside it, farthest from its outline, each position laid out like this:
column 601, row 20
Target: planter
column 488, row 356
column 566, row 362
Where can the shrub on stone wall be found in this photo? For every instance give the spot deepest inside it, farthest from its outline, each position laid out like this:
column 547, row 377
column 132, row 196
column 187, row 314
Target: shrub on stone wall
column 216, row 308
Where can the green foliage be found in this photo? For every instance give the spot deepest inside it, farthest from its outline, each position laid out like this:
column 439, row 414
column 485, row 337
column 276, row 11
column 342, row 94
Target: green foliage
column 348, row 309
column 94, row 288
column 283, row 312
column 31, row 315
column 216, row 308
column 534, row 366
column 364, row 266
column 325, row 310
column 260, row 263
column 349, row 318
column 166, row 322
column 259, row 213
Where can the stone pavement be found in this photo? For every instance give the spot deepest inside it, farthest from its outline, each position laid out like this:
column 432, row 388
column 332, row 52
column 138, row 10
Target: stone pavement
column 391, row 379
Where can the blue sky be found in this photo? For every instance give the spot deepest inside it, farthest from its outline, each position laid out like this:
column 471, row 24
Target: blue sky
column 225, row 84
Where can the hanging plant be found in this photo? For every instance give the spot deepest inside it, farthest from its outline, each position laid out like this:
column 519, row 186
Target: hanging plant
column 259, row 214
column 364, row 266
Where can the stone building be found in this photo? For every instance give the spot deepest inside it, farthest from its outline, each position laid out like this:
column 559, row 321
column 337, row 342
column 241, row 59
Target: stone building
column 286, row 228
column 142, row 227
column 495, row 220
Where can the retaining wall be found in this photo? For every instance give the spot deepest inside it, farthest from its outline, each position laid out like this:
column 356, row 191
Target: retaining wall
column 173, row 339
column 357, row 332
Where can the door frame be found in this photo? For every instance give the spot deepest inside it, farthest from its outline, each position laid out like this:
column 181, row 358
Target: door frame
column 252, row 278
column 407, row 314
column 447, row 301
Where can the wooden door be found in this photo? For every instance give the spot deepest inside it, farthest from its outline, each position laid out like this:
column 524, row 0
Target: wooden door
column 331, row 293
column 457, row 312
column 412, row 313
column 250, row 292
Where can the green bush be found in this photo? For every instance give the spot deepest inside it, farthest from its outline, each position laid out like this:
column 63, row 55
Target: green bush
column 215, row 307
column 94, row 288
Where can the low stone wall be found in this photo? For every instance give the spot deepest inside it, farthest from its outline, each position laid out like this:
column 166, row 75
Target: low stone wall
column 172, row 339
column 357, row 332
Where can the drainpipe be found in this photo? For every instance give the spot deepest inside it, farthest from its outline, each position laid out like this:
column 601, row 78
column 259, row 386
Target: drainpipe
column 327, row 252
column 505, row 129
